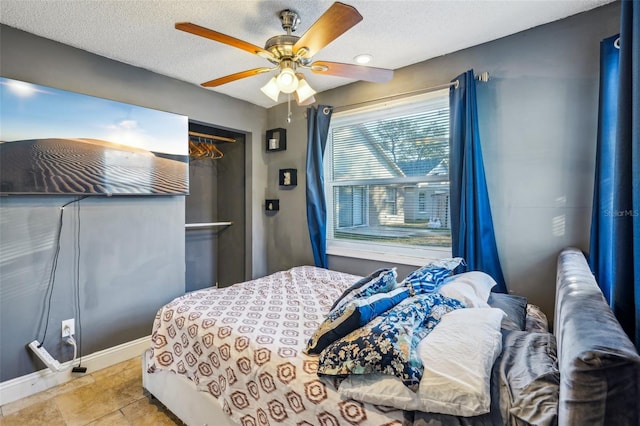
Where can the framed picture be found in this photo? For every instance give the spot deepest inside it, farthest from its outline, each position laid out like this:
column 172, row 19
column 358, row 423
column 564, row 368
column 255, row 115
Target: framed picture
column 288, row 177
column 56, row 142
column 276, row 139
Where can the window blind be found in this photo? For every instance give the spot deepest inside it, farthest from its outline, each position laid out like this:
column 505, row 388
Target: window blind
column 388, row 178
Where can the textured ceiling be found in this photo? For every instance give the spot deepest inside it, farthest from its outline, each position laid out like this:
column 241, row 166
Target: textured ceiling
column 396, row 32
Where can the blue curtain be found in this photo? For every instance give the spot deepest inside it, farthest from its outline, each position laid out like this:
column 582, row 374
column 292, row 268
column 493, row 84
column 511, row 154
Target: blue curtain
column 472, row 235
column 602, row 247
column 615, row 225
column 317, row 129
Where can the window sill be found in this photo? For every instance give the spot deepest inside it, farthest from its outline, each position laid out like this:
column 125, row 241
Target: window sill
column 395, row 255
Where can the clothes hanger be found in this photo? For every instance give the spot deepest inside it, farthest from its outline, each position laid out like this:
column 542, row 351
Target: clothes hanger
column 203, row 150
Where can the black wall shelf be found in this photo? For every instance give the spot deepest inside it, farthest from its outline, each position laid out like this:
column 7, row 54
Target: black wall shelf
column 276, row 139
column 272, row 205
column 288, row 177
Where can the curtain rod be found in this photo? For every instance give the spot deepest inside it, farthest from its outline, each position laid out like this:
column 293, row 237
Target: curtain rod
column 483, row 77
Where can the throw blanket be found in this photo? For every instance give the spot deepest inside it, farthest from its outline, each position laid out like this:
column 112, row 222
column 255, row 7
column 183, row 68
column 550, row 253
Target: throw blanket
column 387, row 344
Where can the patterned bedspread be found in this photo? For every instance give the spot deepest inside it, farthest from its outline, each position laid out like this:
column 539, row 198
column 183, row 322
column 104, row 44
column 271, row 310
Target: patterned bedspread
column 244, row 344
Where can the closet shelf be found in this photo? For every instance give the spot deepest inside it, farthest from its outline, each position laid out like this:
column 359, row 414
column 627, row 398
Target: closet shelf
column 206, row 225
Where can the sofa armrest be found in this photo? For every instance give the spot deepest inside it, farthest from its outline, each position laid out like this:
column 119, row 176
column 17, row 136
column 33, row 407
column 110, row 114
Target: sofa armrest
column 599, row 366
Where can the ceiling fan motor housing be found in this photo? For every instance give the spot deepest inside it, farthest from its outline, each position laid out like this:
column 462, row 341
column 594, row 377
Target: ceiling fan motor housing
column 281, row 46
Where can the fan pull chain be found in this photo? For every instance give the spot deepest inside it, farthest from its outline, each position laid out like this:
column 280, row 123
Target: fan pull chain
column 289, row 114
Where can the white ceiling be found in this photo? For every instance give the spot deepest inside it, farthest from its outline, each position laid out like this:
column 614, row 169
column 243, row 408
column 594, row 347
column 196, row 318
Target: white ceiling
column 396, row 32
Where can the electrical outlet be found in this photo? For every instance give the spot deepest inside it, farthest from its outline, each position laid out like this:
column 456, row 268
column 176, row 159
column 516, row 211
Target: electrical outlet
column 68, row 327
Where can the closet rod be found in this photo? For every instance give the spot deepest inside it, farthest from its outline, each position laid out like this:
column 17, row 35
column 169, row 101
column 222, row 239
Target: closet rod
column 214, row 137
column 206, row 224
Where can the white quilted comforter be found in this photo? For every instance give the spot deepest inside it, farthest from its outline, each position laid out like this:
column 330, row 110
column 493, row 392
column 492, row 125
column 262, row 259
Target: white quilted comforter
column 244, row 345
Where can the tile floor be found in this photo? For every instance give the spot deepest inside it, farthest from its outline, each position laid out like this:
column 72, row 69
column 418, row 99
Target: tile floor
column 109, row 397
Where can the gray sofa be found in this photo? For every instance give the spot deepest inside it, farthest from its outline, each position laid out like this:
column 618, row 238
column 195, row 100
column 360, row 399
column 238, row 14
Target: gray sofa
column 599, row 366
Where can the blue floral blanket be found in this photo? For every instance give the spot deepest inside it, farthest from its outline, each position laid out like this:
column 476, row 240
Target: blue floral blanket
column 387, row 343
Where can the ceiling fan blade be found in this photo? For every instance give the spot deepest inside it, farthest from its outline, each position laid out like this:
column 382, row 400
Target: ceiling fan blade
column 332, row 24
column 358, row 72
column 223, row 38
column 237, row 76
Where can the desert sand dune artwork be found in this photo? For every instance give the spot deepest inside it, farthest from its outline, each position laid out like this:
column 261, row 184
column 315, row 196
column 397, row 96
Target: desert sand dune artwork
column 58, row 142
column 81, row 166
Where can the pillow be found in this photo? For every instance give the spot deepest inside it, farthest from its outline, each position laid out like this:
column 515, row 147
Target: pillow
column 379, row 281
column 471, row 288
column 464, row 293
column 458, row 358
column 480, row 282
column 352, row 315
column 514, row 306
column 387, row 344
column 476, row 345
column 379, row 389
column 429, row 277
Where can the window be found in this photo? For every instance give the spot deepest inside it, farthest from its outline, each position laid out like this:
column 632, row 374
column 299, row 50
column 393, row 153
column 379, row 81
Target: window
column 392, row 206
column 422, row 202
column 387, row 181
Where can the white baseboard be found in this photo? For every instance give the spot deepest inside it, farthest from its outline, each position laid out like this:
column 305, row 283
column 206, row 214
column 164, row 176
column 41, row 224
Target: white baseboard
column 24, row 386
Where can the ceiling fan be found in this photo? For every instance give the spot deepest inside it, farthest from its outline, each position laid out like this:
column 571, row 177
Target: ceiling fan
column 290, row 54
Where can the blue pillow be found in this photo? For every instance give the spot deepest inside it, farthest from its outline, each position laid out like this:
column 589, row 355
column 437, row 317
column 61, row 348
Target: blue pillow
column 379, row 281
column 351, row 316
column 514, row 306
column 428, row 278
column 387, row 344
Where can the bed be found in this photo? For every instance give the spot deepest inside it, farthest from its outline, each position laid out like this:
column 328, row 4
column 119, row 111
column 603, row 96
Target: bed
column 244, row 355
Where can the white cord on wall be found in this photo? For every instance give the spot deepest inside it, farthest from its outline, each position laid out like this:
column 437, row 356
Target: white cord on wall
column 71, row 341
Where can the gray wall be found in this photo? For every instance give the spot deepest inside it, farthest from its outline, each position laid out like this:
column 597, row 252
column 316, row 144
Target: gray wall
column 201, row 245
column 538, row 117
column 132, row 249
column 232, row 207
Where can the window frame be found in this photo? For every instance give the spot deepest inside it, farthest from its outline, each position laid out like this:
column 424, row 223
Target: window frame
column 399, row 254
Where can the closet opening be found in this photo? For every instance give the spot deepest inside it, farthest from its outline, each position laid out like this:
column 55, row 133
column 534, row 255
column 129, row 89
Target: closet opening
column 215, row 208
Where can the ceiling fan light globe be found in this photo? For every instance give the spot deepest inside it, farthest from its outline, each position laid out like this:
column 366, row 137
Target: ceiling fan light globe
column 310, row 100
column 287, row 81
column 304, row 91
column 271, row 89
